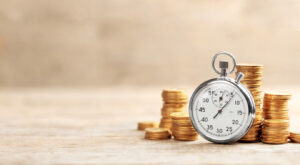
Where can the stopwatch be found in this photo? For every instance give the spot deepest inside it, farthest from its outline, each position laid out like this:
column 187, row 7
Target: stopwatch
column 222, row 109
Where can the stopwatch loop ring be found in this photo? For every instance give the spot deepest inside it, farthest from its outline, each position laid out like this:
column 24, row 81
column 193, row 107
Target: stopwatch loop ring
column 222, row 73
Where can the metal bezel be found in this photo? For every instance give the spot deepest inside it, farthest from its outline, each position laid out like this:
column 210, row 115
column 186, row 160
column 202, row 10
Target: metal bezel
column 251, row 108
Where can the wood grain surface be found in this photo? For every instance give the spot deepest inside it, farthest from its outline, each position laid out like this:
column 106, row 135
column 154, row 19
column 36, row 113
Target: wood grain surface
column 98, row 126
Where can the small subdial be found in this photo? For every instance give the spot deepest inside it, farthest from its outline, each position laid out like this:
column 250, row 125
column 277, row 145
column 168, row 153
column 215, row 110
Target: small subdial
column 220, row 97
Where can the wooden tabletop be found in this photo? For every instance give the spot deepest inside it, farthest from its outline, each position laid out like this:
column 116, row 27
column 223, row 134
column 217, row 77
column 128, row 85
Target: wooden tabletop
column 98, row 126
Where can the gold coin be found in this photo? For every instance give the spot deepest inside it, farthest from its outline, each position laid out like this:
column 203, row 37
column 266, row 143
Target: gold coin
column 275, row 135
column 274, row 141
column 171, row 110
column 249, row 71
column 258, row 110
column 276, row 130
column 165, row 123
column 147, row 124
column 157, row 133
column 257, row 70
column 252, row 134
column 252, row 85
column 278, row 106
column 249, row 139
column 277, row 96
column 186, row 138
column 175, row 101
column 250, row 74
column 180, row 133
column 254, row 89
column 253, row 78
column 276, row 117
column 250, row 65
column 173, row 93
column 182, row 128
column 257, row 120
column 275, row 110
column 257, row 102
column 175, row 96
column 276, row 122
column 180, row 115
column 269, row 100
column 181, row 122
column 295, row 137
column 157, row 130
column 174, row 105
column 173, row 90
column 168, row 114
column 251, row 81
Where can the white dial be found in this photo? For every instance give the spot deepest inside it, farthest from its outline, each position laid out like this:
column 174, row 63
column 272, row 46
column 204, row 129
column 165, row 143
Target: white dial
column 219, row 111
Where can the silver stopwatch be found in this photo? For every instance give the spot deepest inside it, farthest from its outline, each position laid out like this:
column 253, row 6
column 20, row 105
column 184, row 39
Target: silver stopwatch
column 222, row 109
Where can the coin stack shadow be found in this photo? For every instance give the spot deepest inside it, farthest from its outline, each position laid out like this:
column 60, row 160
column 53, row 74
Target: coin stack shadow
column 175, row 100
column 253, row 81
column 182, row 128
column 276, row 123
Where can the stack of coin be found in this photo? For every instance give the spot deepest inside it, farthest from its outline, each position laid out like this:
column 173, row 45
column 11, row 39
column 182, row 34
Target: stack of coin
column 157, row 133
column 295, row 137
column 276, row 106
column 253, row 81
column 147, row 124
column 253, row 134
column 182, row 128
column 275, row 131
column 276, row 118
column 175, row 100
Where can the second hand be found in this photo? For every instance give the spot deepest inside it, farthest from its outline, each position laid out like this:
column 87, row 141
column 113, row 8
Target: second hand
column 221, row 110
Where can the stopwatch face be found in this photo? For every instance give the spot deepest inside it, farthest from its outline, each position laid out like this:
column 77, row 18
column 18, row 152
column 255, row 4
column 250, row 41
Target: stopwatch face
column 220, row 111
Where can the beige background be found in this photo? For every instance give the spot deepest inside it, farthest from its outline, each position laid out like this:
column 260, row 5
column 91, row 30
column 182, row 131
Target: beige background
column 143, row 42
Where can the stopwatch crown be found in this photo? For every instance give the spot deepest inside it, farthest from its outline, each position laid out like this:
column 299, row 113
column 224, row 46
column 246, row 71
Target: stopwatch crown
column 223, row 65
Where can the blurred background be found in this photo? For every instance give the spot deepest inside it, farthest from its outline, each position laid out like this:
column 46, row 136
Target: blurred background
column 101, row 43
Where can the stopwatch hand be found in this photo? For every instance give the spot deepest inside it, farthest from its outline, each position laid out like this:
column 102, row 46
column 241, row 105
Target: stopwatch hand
column 221, row 110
